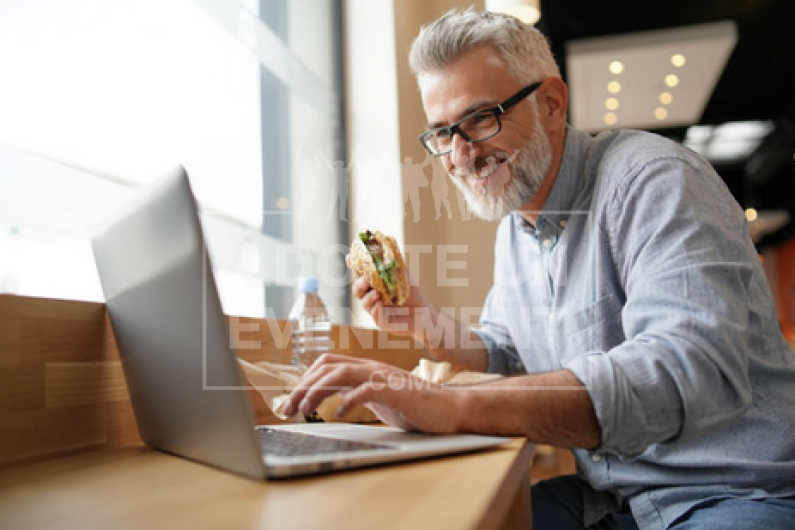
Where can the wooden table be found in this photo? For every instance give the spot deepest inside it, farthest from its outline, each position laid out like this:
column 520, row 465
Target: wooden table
column 134, row 488
column 71, row 456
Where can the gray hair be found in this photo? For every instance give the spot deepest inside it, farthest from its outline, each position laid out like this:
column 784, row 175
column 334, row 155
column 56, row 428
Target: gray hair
column 523, row 48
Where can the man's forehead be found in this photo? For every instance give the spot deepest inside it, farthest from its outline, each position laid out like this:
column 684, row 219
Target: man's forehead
column 478, row 76
column 471, row 63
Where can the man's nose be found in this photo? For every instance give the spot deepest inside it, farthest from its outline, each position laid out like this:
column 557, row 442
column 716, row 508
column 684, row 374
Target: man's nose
column 463, row 152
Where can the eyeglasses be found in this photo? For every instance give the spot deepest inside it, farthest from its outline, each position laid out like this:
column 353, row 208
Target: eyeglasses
column 479, row 126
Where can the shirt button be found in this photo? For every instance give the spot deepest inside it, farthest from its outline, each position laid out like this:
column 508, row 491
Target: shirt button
column 547, row 243
column 596, row 457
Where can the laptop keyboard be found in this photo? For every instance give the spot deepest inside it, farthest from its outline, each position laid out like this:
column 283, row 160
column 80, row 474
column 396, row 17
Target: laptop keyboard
column 285, row 443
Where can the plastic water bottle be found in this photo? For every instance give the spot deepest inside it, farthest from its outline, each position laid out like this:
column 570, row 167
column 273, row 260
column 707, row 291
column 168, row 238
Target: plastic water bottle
column 311, row 327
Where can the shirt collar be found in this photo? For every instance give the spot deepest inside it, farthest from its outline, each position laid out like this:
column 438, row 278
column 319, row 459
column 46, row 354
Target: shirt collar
column 555, row 213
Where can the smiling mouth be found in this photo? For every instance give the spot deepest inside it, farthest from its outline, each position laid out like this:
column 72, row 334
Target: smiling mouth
column 487, row 171
column 493, row 164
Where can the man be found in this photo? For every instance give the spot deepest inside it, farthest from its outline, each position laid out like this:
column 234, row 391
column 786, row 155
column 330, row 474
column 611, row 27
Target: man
column 628, row 306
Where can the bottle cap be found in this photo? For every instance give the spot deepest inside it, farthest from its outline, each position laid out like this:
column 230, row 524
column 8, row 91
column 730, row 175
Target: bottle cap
column 307, row 285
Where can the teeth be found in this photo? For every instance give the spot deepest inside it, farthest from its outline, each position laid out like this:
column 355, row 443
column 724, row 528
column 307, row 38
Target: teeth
column 483, row 174
column 487, row 171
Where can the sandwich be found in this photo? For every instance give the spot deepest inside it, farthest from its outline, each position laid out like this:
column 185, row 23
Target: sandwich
column 377, row 258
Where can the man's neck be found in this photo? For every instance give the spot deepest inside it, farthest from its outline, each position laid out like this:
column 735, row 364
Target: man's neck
column 532, row 208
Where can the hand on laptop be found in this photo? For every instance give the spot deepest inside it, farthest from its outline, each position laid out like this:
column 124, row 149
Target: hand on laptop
column 397, row 397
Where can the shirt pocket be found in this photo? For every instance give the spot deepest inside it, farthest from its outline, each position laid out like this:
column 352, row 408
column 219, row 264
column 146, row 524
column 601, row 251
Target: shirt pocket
column 595, row 327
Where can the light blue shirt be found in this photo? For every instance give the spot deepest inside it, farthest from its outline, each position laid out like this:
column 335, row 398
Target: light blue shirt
column 640, row 277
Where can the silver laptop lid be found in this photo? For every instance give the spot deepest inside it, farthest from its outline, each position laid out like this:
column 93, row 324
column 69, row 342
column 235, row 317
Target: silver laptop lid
column 171, row 332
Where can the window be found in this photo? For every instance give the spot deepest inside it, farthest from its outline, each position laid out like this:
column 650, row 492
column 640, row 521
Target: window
column 101, row 97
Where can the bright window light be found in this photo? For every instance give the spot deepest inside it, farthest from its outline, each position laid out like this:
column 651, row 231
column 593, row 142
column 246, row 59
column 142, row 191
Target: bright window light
column 100, row 98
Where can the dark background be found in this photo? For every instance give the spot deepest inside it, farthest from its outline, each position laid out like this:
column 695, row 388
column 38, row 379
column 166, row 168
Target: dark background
column 757, row 84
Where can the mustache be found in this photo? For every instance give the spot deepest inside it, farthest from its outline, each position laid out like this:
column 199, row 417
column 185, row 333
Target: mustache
column 478, row 168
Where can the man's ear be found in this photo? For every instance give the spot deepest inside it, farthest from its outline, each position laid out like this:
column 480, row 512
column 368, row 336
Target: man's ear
column 553, row 101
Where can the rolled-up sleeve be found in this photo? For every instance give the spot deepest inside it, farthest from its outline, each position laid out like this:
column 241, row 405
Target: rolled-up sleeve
column 682, row 254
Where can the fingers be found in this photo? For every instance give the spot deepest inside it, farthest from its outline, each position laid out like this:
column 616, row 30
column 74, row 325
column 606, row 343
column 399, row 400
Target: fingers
column 330, row 358
column 372, row 300
column 361, row 287
column 369, row 392
column 365, row 292
column 398, row 397
column 324, row 365
column 327, row 385
column 391, row 399
column 329, row 375
column 317, row 379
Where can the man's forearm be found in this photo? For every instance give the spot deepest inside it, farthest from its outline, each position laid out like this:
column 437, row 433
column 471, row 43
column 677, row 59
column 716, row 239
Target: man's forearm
column 553, row 408
column 453, row 342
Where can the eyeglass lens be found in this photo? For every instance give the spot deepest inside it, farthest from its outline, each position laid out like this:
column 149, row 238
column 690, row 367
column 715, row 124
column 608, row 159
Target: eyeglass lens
column 475, row 128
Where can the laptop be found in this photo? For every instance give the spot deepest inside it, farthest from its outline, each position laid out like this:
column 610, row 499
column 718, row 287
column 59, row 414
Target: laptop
column 186, row 387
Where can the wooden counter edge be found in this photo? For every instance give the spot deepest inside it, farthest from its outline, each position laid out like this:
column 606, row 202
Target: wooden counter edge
column 41, row 493
column 510, row 506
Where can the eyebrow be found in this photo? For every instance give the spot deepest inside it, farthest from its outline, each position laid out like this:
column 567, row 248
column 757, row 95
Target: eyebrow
column 474, row 107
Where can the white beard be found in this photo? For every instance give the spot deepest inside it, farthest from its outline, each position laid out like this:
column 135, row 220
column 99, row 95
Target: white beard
column 527, row 173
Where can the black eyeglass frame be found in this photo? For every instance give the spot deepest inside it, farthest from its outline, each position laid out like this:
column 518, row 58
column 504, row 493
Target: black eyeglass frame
column 497, row 110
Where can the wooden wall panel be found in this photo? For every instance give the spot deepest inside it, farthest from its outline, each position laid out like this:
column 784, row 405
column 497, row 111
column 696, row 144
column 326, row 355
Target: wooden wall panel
column 9, row 340
column 41, row 433
column 59, row 373
column 121, row 429
column 21, row 388
column 68, row 384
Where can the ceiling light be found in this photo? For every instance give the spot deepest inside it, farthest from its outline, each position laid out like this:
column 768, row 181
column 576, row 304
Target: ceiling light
column 528, row 11
column 616, row 67
column 678, row 60
column 730, row 142
column 699, row 133
column 660, row 113
column 614, row 87
column 671, row 80
column 611, row 103
column 610, row 118
column 647, row 59
column 666, row 98
column 741, row 130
